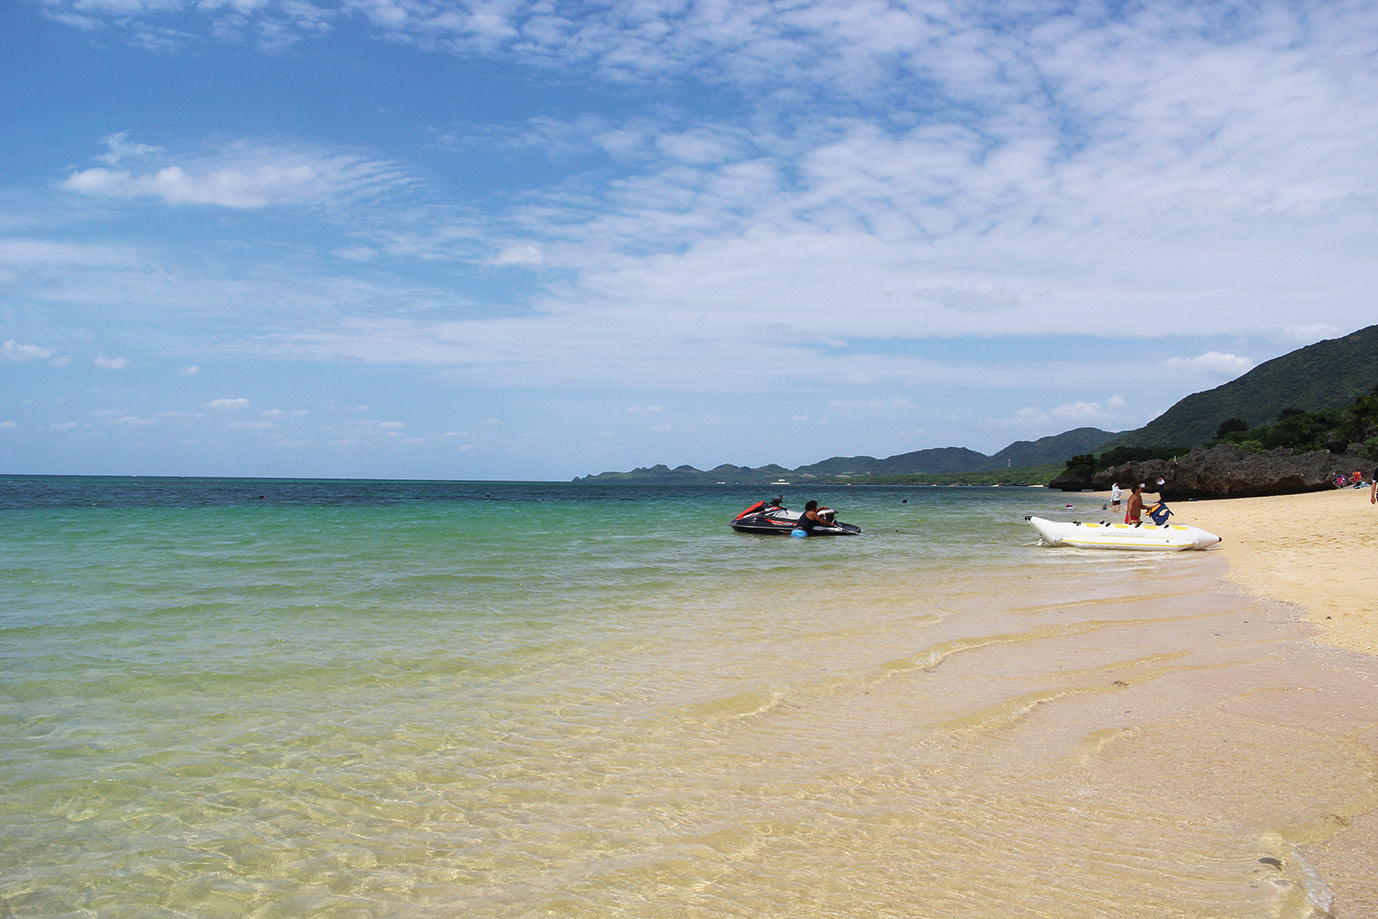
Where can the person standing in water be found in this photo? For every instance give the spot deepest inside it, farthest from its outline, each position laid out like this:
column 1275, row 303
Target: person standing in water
column 1136, row 505
column 811, row 519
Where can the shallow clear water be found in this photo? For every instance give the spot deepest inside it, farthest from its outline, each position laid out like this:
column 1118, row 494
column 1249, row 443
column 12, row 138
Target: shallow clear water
column 359, row 699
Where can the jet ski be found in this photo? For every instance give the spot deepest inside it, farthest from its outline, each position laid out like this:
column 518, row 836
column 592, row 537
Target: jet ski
column 774, row 518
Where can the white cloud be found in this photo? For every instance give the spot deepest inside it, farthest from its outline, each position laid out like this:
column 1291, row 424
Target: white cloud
column 256, row 187
column 519, row 255
column 111, row 363
column 388, row 429
column 700, row 146
column 118, row 148
column 983, row 298
column 1111, row 414
column 1080, row 412
column 27, row 253
column 245, row 176
column 12, row 350
column 232, row 404
column 1210, row 364
column 1306, row 335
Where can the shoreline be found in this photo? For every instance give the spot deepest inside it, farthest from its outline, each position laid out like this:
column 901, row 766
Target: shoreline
column 1313, row 550
column 1316, row 553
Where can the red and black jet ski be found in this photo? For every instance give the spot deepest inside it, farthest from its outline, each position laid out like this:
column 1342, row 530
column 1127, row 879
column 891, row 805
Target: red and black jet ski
column 774, row 518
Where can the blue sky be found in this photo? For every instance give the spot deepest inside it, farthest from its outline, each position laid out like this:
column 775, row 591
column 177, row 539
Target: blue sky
column 535, row 240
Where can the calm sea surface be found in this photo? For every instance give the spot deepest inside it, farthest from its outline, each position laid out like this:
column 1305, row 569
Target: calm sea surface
column 266, row 698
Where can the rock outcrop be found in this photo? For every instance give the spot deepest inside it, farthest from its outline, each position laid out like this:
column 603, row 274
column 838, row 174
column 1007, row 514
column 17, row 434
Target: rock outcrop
column 1227, row 471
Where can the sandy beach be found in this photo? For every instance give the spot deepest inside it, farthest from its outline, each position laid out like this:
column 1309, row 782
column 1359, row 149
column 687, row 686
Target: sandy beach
column 1314, row 550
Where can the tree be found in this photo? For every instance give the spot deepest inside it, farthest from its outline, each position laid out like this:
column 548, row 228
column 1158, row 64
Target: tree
column 1230, row 426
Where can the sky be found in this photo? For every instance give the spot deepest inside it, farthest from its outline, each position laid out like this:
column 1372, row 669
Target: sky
column 527, row 239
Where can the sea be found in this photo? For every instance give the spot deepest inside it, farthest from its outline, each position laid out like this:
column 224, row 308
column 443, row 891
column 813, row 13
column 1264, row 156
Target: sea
column 289, row 698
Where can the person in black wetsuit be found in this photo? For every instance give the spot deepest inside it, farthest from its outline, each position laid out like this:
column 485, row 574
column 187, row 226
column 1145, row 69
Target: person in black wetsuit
column 810, row 520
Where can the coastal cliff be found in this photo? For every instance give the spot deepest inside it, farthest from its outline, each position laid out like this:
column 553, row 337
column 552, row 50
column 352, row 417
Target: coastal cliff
column 1229, row 471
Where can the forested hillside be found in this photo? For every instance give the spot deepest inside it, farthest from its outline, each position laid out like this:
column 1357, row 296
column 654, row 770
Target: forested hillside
column 1327, row 375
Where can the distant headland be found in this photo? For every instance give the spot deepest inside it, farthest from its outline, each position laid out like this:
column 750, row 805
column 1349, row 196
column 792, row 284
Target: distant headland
column 1290, row 425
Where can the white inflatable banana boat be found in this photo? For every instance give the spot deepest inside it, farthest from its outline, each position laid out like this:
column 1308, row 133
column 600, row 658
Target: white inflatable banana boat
column 1171, row 537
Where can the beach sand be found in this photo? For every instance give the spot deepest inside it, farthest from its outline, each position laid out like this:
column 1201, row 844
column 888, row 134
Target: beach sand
column 1319, row 552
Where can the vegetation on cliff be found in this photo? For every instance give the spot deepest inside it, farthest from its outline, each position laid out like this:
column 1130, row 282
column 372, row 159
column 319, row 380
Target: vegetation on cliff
column 1300, row 451
column 1332, row 429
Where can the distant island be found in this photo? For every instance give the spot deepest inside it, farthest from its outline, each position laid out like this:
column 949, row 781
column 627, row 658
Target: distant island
column 1021, row 463
column 1289, row 425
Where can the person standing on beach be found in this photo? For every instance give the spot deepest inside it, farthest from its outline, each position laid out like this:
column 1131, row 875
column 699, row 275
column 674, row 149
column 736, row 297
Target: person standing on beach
column 1136, row 505
column 1115, row 496
column 1373, row 489
column 1162, row 487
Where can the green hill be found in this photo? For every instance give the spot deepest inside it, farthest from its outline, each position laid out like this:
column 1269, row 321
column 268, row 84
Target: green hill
column 939, row 465
column 1327, row 375
column 1053, row 449
column 959, row 460
column 937, row 460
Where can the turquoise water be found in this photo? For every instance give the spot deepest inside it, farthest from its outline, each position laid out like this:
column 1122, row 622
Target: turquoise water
column 289, row 698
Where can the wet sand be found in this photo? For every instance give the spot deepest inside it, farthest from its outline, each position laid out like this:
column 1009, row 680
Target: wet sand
column 1318, row 552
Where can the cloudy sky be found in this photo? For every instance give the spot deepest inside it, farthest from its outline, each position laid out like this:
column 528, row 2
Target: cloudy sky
column 504, row 239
